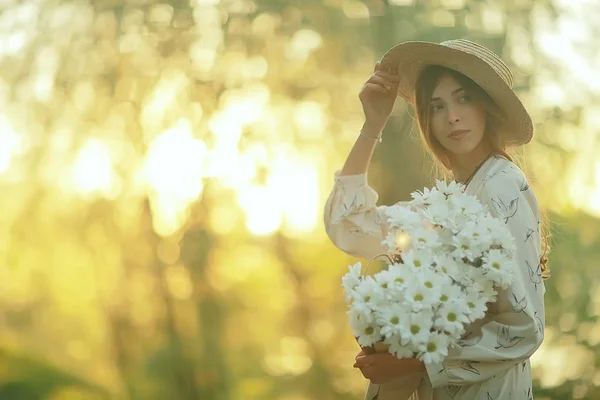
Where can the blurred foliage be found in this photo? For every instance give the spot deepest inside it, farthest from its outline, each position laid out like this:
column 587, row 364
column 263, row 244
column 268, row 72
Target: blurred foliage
column 163, row 168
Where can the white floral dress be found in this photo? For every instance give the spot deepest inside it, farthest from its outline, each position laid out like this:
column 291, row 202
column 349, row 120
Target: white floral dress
column 492, row 361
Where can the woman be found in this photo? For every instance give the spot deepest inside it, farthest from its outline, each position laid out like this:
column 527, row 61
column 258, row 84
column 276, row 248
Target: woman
column 468, row 116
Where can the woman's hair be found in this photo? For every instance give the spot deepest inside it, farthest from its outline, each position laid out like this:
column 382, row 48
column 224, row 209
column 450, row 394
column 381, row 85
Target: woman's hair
column 495, row 125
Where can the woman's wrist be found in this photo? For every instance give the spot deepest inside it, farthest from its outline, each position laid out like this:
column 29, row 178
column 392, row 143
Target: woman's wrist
column 409, row 366
column 371, row 132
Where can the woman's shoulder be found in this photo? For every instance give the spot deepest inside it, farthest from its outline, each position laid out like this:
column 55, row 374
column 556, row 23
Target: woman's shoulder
column 504, row 176
column 504, row 170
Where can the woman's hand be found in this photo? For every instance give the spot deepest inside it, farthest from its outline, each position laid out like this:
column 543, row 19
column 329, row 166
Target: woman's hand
column 378, row 96
column 380, row 368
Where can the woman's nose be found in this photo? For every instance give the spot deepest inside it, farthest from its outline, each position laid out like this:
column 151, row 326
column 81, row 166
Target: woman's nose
column 453, row 115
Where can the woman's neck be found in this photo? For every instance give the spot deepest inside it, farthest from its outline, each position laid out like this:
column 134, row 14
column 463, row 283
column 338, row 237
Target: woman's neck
column 464, row 166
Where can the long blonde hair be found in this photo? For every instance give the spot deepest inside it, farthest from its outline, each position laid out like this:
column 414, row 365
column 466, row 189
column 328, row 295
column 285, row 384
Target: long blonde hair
column 495, row 126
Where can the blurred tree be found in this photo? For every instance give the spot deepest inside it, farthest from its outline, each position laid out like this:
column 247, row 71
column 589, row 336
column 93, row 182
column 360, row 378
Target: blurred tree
column 123, row 200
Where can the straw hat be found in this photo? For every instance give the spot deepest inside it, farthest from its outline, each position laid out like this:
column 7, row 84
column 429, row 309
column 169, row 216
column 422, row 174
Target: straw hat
column 472, row 60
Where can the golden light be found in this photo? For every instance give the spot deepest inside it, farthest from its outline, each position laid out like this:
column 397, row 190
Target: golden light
column 235, row 170
column 303, row 43
column 12, row 43
column 292, row 357
column 556, row 350
column 203, row 58
column 297, row 189
column 174, row 170
column 206, row 2
column 492, row 19
column 310, row 120
column 402, row 2
column 12, row 144
column 290, row 195
column 92, row 171
column 175, row 163
column 166, row 95
column 263, row 213
column 355, row 9
column 402, row 240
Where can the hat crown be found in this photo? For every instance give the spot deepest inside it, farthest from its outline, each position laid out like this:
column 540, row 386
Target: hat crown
column 485, row 54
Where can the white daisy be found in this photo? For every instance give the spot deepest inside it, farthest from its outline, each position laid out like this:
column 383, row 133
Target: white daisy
column 482, row 285
column 420, row 298
column 451, row 318
column 397, row 241
column 462, row 246
column 418, row 328
column 426, row 197
column 368, row 334
column 403, row 275
column 423, row 238
column 467, row 204
column 498, row 233
column 437, row 213
column 417, row 259
column 445, row 234
column 352, row 278
column 477, row 233
column 357, row 317
column 477, row 305
column 399, row 347
column 450, row 188
column 446, row 265
column 366, row 295
column 435, row 349
column 498, row 268
column 402, row 217
column 432, row 281
column 449, row 293
column 391, row 319
column 384, row 279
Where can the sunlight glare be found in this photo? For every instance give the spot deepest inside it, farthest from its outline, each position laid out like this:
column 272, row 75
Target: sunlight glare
column 302, row 44
column 310, row 120
column 93, row 169
column 296, row 186
column 174, row 164
column 12, row 144
column 263, row 213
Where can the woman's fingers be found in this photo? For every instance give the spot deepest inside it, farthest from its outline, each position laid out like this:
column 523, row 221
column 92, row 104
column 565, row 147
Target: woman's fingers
column 382, row 81
column 376, row 87
column 388, row 75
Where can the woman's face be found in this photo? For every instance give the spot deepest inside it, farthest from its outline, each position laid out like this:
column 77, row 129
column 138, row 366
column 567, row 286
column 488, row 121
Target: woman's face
column 457, row 120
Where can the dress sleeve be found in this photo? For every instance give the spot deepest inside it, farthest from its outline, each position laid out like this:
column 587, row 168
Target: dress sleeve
column 515, row 330
column 353, row 221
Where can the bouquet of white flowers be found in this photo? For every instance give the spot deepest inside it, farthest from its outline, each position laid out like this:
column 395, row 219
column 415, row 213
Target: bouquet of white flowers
column 447, row 255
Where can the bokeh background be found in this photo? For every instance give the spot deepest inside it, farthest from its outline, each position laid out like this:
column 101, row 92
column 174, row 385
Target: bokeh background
column 164, row 167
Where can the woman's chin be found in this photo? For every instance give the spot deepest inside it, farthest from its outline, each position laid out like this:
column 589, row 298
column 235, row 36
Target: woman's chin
column 460, row 149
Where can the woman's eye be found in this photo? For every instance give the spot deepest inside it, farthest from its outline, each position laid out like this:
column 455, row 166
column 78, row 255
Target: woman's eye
column 436, row 107
column 464, row 99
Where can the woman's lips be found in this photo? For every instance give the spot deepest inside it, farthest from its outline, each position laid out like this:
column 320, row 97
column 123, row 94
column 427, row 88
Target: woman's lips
column 458, row 135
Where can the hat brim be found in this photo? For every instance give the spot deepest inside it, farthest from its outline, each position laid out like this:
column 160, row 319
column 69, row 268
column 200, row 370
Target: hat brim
column 409, row 59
